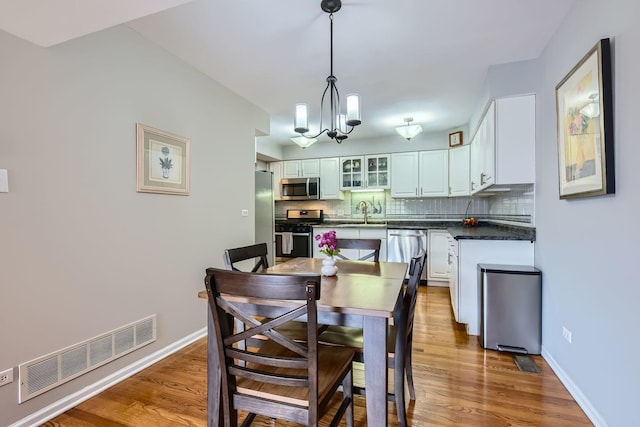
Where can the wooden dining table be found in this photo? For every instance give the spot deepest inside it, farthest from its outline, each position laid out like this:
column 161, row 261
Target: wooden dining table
column 362, row 294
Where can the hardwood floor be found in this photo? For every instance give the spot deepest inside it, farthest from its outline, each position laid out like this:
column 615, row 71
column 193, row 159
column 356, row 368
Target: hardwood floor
column 457, row 384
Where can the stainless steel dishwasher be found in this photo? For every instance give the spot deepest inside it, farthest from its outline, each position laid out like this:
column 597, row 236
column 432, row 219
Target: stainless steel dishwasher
column 402, row 245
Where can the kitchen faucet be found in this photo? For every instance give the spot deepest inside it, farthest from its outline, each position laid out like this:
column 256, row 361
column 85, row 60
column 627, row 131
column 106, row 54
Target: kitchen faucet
column 364, row 208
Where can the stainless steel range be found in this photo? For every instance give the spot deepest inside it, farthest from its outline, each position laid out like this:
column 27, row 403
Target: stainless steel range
column 294, row 236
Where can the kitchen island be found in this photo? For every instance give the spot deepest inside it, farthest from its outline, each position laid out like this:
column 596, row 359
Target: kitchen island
column 453, row 252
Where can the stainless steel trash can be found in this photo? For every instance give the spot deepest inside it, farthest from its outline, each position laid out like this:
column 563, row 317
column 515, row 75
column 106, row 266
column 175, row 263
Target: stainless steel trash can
column 511, row 311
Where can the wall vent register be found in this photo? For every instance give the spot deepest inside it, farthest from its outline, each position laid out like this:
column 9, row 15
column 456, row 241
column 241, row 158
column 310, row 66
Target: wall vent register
column 47, row 372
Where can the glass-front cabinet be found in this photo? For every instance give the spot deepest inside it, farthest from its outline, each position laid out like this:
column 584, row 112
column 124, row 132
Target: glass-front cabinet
column 351, row 173
column 377, row 174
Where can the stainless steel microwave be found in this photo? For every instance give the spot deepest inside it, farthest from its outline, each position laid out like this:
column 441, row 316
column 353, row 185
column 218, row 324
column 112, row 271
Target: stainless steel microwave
column 300, row 189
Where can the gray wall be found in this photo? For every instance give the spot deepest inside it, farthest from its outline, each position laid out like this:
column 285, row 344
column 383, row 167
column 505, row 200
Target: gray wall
column 82, row 253
column 587, row 248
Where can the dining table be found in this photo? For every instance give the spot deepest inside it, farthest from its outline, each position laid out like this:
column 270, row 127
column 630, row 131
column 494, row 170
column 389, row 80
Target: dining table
column 362, row 294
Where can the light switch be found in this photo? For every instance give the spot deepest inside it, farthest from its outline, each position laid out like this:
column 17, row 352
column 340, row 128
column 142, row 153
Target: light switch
column 244, row 212
column 4, row 181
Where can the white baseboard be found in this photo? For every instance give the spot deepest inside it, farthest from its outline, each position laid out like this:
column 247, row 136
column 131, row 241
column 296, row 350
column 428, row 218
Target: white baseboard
column 68, row 402
column 438, row 283
column 575, row 391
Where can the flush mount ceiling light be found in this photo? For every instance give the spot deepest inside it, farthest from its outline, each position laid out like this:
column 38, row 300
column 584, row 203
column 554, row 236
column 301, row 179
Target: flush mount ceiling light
column 408, row 131
column 340, row 124
column 592, row 109
column 303, row 141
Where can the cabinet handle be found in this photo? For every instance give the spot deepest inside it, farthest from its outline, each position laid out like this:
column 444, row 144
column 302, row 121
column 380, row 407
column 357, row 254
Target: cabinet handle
column 473, row 185
column 416, row 191
column 484, row 178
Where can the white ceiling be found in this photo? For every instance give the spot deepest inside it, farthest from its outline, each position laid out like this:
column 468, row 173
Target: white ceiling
column 422, row 58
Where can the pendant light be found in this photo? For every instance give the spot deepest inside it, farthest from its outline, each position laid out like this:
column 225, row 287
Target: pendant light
column 408, row 131
column 340, row 123
column 303, row 141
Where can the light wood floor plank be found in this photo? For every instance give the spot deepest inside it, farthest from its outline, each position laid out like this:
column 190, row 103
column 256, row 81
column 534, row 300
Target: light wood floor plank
column 457, row 384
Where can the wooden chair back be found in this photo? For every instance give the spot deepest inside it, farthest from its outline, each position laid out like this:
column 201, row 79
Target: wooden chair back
column 364, row 244
column 257, row 251
column 404, row 319
column 283, row 378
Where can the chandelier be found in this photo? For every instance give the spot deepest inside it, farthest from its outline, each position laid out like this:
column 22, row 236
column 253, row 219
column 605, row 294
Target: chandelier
column 340, row 123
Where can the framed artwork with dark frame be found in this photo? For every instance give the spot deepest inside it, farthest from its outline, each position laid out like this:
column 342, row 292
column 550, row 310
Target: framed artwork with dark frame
column 455, row 139
column 584, row 107
column 163, row 161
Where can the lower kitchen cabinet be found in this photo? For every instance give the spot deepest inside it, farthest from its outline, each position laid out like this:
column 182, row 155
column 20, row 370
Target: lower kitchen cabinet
column 438, row 256
column 464, row 284
column 353, row 233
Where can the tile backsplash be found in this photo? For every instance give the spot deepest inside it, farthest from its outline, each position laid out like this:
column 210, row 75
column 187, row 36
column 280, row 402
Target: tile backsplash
column 514, row 206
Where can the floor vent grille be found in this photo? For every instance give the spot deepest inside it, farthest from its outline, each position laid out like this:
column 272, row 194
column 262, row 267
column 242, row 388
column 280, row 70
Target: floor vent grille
column 44, row 373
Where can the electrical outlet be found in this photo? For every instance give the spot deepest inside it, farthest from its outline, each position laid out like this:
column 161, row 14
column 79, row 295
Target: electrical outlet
column 6, row 377
column 566, row 334
column 244, row 212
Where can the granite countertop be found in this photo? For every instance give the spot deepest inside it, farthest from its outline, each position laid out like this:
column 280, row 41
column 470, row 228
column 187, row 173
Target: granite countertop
column 483, row 231
column 492, row 232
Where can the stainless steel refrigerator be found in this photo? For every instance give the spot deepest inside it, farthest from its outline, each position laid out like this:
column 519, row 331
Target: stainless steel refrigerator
column 264, row 210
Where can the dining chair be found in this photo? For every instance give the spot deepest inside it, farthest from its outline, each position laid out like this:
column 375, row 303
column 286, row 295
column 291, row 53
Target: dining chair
column 364, row 244
column 399, row 340
column 295, row 330
column 257, row 251
column 283, row 379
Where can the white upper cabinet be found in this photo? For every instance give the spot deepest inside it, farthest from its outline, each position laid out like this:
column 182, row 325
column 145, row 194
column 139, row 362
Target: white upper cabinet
column 308, row 168
column 434, row 173
column 330, row 179
column 404, row 174
column 483, row 152
column 351, row 173
column 459, row 177
column 377, row 172
column 420, row 174
column 503, row 148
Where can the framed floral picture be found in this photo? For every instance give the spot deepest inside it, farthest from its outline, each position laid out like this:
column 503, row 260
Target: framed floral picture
column 584, row 106
column 163, row 161
column 455, row 139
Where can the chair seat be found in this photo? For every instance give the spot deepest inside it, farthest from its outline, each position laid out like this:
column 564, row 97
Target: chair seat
column 297, row 331
column 352, row 337
column 333, row 363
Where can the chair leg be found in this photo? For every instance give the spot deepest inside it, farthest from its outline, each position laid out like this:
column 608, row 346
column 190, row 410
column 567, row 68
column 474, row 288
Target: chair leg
column 247, row 421
column 347, row 389
column 398, row 383
column 408, row 367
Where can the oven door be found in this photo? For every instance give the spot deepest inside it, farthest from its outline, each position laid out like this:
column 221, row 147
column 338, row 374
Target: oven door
column 300, row 245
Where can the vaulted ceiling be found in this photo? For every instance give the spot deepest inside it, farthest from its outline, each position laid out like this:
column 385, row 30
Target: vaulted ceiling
column 422, row 58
